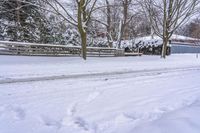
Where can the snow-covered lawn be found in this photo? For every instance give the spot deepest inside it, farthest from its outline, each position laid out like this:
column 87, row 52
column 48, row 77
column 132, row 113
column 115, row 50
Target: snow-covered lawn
column 101, row 95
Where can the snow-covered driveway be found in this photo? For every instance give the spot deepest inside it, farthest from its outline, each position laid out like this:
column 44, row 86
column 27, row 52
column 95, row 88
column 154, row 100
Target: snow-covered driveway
column 106, row 95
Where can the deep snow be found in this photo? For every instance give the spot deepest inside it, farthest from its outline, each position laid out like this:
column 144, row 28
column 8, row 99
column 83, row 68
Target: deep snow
column 107, row 95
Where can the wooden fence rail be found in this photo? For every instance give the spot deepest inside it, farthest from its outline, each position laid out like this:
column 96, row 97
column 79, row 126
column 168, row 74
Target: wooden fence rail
column 19, row 48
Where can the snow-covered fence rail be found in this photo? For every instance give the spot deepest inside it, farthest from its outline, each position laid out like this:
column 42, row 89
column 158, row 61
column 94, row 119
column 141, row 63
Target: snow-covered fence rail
column 19, row 48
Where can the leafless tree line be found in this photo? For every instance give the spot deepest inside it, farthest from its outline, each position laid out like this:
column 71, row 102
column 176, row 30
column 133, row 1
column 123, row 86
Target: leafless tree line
column 119, row 19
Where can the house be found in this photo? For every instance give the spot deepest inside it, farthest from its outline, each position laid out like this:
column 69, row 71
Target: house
column 153, row 46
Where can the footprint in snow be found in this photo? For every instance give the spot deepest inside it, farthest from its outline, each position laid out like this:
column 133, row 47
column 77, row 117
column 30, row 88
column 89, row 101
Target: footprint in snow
column 20, row 113
column 79, row 122
column 51, row 122
column 68, row 119
column 13, row 112
column 72, row 109
column 92, row 96
column 72, row 120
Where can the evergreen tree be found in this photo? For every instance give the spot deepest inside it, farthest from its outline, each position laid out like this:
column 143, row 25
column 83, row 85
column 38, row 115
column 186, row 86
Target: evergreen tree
column 23, row 21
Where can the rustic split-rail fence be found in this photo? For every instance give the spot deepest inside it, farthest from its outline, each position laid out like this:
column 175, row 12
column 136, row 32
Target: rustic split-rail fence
column 33, row 49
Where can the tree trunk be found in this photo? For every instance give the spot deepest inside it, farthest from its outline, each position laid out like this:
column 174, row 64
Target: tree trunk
column 123, row 22
column 83, row 35
column 81, row 27
column 120, row 34
column 17, row 12
column 165, row 35
column 164, row 47
column 84, row 45
column 108, row 27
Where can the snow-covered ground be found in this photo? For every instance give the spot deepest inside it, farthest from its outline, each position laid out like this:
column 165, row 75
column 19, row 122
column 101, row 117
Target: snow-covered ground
column 13, row 67
column 101, row 95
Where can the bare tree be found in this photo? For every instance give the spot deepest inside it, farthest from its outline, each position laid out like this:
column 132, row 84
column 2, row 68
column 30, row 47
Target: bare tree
column 125, row 20
column 80, row 19
column 146, row 13
column 108, row 26
column 168, row 15
column 111, row 11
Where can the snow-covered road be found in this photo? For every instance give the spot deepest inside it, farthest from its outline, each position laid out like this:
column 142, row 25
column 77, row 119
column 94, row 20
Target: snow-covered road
column 13, row 67
column 103, row 74
column 104, row 96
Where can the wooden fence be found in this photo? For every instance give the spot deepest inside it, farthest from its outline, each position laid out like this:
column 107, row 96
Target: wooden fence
column 19, row 48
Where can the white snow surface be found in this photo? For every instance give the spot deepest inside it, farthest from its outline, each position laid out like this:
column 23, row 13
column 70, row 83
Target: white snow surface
column 101, row 95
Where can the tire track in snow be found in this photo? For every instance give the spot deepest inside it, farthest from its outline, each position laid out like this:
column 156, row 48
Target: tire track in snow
column 137, row 73
column 58, row 95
